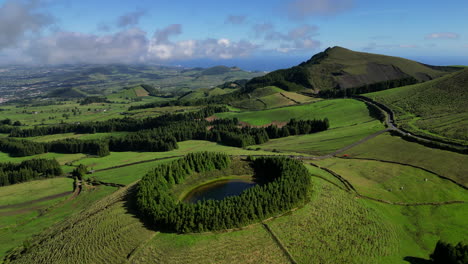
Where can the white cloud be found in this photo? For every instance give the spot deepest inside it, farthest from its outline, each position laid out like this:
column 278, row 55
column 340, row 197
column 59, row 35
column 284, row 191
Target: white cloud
column 296, row 39
column 375, row 46
column 442, row 35
column 299, row 9
column 73, row 47
column 20, row 18
column 130, row 19
column 236, row 20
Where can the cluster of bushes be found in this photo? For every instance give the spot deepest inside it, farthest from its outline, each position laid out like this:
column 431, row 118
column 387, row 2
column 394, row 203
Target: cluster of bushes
column 369, row 88
column 446, row 253
column 11, row 173
column 7, row 125
column 283, row 184
column 94, row 99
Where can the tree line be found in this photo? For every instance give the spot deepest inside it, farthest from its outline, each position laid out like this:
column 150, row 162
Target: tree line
column 189, row 126
column 230, row 134
column 114, row 125
column 446, row 253
column 368, row 88
column 283, row 184
column 11, row 173
column 93, row 99
column 22, row 148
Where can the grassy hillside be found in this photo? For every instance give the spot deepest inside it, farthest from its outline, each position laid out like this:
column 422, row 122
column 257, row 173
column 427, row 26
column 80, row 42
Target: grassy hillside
column 338, row 67
column 340, row 112
column 68, row 93
column 437, row 108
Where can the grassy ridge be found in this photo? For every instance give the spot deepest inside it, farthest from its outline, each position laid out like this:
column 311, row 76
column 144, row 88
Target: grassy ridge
column 323, row 142
column 340, row 67
column 340, row 112
column 22, row 227
column 386, row 147
column 110, row 235
column 253, row 245
column 33, row 190
column 437, row 108
column 394, row 182
column 335, row 228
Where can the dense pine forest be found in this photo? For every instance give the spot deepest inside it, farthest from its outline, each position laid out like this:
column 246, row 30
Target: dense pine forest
column 282, row 184
column 155, row 134
column 27, row 170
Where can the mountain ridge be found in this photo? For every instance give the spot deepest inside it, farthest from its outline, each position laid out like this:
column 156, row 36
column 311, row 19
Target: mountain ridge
column 341, row 68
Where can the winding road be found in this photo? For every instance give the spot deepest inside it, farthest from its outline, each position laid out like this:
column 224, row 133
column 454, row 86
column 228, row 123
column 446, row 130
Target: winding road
column 392, row 126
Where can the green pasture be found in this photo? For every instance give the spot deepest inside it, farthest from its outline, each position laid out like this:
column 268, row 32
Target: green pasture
column 391, row 148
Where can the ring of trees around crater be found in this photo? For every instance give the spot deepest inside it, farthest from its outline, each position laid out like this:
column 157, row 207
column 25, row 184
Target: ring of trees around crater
column 283, row 184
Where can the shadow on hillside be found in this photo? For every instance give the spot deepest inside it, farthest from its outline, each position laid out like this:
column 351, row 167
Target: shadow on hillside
column 131, row 208
column 414, row 260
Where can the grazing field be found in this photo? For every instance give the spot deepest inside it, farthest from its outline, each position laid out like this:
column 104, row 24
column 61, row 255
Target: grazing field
column 22, row 227
column 390, row 148
column 126, row 175
column 253, row 245
column 324, row 142
column 122, row 158
column 394, row 182
column 104, row 233
column 335, row 228
column 33, row 190
column 419, row 228
column 61, row 158
column 48, row 138
column 68, row 112
column 437, row 108
column 340, row 112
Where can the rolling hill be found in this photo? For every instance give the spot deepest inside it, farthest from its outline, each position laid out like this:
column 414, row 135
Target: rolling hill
column 340, row 68
column 436, row 108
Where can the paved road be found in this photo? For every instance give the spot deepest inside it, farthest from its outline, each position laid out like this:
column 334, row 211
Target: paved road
column 392, row 126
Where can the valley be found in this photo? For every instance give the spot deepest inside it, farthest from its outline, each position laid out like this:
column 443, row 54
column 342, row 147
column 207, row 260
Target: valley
column 377, row 143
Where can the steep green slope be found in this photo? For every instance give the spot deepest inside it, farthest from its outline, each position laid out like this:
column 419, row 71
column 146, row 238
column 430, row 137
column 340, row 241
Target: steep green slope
column 342, row 68
column 436, row 108
column 67, row 93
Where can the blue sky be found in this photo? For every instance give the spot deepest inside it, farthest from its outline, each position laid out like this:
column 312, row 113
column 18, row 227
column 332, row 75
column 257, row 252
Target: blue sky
column 279, row 33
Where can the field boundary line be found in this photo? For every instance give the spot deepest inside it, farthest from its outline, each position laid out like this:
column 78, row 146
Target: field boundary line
column 290, row 99
column 50, row 197
column 410, row 165
column 279, row 243
column 406, row 135
column 358, row 195
column 137, row 162
column 140, row 247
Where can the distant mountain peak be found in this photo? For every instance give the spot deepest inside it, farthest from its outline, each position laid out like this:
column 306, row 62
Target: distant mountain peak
column 340, row 68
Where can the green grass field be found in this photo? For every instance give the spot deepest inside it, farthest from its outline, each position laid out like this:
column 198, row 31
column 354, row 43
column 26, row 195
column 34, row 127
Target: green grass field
column 324, row 142
column 386, row 147
column 335, row 228
column 121, row 158
column 340, row 112
column 384, row 181
column 126, row 175
column 18, row 227
column 437, row 108
column 61, row 158
column 28, row 191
